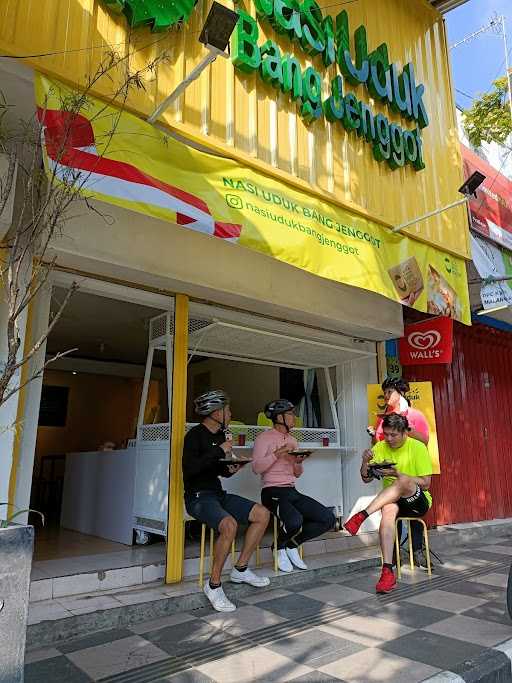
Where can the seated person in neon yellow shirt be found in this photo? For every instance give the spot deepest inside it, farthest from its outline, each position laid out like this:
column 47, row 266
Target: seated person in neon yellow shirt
column 405, row 488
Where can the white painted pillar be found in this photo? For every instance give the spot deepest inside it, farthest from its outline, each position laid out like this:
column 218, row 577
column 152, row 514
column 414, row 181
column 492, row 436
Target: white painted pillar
column 9, row 410
column 32, row 399
column 352, row 378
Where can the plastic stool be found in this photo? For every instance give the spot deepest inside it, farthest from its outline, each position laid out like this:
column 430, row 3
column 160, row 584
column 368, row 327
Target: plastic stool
column 411, row 555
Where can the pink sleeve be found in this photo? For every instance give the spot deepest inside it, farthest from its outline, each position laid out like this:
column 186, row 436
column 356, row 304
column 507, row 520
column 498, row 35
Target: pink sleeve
column 298, row 469
column 262, row 456
column 420, row 424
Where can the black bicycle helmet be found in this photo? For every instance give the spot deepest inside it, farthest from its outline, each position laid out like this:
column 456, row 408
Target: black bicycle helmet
column 212, row 400
column 277, row 407
column 398, row 383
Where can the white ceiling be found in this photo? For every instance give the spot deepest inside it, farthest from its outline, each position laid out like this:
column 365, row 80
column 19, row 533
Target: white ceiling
column 101, row 328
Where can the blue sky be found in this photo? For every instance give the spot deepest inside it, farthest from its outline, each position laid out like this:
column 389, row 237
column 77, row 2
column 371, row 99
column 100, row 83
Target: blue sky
column 476, row 64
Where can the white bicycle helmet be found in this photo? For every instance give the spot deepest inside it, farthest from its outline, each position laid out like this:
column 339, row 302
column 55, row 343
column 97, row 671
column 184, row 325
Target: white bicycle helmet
column 212, row 400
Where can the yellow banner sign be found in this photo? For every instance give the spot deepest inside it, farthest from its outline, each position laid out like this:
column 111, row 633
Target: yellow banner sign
column 121, row 159
column 421, row 398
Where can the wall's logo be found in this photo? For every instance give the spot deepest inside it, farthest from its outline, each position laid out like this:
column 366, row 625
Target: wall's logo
column 159, row 15
column 430, row 341
column 424, row 340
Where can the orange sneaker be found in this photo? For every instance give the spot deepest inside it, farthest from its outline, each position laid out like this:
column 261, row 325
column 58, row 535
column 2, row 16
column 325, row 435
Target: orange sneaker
column 387, row 581
column 352, row 525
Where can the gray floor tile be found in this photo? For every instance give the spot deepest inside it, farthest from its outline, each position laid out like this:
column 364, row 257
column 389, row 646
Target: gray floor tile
column 317, row 677
column 368, row 631
column 492, row 579
column 261, row 596
column 306, row 585
column 452, row 602
column 117, row 657
column 189, row 676
column 315, row 648
column 427, row 647
column 363, row 582
column 335, row 594
column 244, row 620
column 40, row 654
column 478, row 590
column 410, row 615
column 95, row 639
column 375, row 666
column 179, row 640
column 462, row 627
column 256, row 664
column 161, row 622
column 56, row 670
column 487, row 555
column 293, row 606
column 491, row 611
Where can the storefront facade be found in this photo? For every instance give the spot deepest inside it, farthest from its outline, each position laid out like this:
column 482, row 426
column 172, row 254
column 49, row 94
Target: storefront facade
column 343, row 117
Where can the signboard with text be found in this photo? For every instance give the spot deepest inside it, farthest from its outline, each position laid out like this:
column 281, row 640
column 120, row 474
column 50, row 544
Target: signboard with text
column 421, row 398
column 491, row 209
column 427, row 342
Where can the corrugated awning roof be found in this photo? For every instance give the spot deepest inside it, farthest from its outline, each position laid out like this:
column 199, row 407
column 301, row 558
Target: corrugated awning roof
column 446, row 5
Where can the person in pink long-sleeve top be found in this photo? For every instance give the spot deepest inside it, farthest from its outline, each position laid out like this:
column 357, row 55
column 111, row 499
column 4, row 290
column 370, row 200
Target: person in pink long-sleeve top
column 301, row 518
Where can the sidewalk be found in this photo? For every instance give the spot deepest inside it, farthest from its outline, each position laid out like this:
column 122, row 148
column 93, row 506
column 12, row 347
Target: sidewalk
column 332, row 629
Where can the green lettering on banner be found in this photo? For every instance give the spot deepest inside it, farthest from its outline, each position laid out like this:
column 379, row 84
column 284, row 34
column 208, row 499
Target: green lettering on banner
column 354, row 73
column 158, row 15
column 313, row 39
column 286, row 18
column 317, row 35
column 246, row 53
column 292, row 77
column 311, row 95
column 334, row 106
column 303, row 22
column 329, row 53
column 271, row 68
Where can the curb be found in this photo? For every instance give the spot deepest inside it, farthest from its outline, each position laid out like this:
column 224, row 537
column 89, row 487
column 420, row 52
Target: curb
column 493, row 666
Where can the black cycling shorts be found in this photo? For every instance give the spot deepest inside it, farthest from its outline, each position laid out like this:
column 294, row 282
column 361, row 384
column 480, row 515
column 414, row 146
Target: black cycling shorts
column 416, row 505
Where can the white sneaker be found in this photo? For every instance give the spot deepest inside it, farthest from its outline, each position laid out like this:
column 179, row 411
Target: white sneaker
column 283, row 561
column 295, row 558
column 249, row 577
column 218, row 599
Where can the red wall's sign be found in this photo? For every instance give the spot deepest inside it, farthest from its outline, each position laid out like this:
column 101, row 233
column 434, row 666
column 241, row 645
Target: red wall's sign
column 491, row 211
column 430, row 341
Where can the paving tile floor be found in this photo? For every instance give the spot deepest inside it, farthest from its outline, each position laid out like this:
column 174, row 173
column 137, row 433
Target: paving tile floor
column 335, row 630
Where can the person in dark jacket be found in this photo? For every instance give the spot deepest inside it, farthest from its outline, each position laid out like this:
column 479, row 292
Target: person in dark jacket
column 206, row 446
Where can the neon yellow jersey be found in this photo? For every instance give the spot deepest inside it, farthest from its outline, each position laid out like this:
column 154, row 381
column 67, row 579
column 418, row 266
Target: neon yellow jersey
column 411, row 458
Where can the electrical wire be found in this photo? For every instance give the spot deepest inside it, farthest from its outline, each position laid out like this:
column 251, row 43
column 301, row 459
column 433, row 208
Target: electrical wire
column 100, row 47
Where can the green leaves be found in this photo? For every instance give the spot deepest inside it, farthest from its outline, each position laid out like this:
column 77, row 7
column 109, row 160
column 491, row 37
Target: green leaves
column 489, row 118
column 159, row 15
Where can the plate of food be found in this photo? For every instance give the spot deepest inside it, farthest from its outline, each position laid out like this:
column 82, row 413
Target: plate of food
column 236, row 460
column 376, row 469
column 301, row 452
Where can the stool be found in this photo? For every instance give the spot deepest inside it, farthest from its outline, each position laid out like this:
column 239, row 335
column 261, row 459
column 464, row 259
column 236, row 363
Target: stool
column 189, row 518
column 411, row 556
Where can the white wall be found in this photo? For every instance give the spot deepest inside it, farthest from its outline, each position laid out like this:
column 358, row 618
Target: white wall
column 32, row 401
column 249, row 386
column 10, row 429
column 352, row 379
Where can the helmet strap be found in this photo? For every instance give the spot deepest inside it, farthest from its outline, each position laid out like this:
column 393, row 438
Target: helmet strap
column 221, row 423
column 283, row 423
